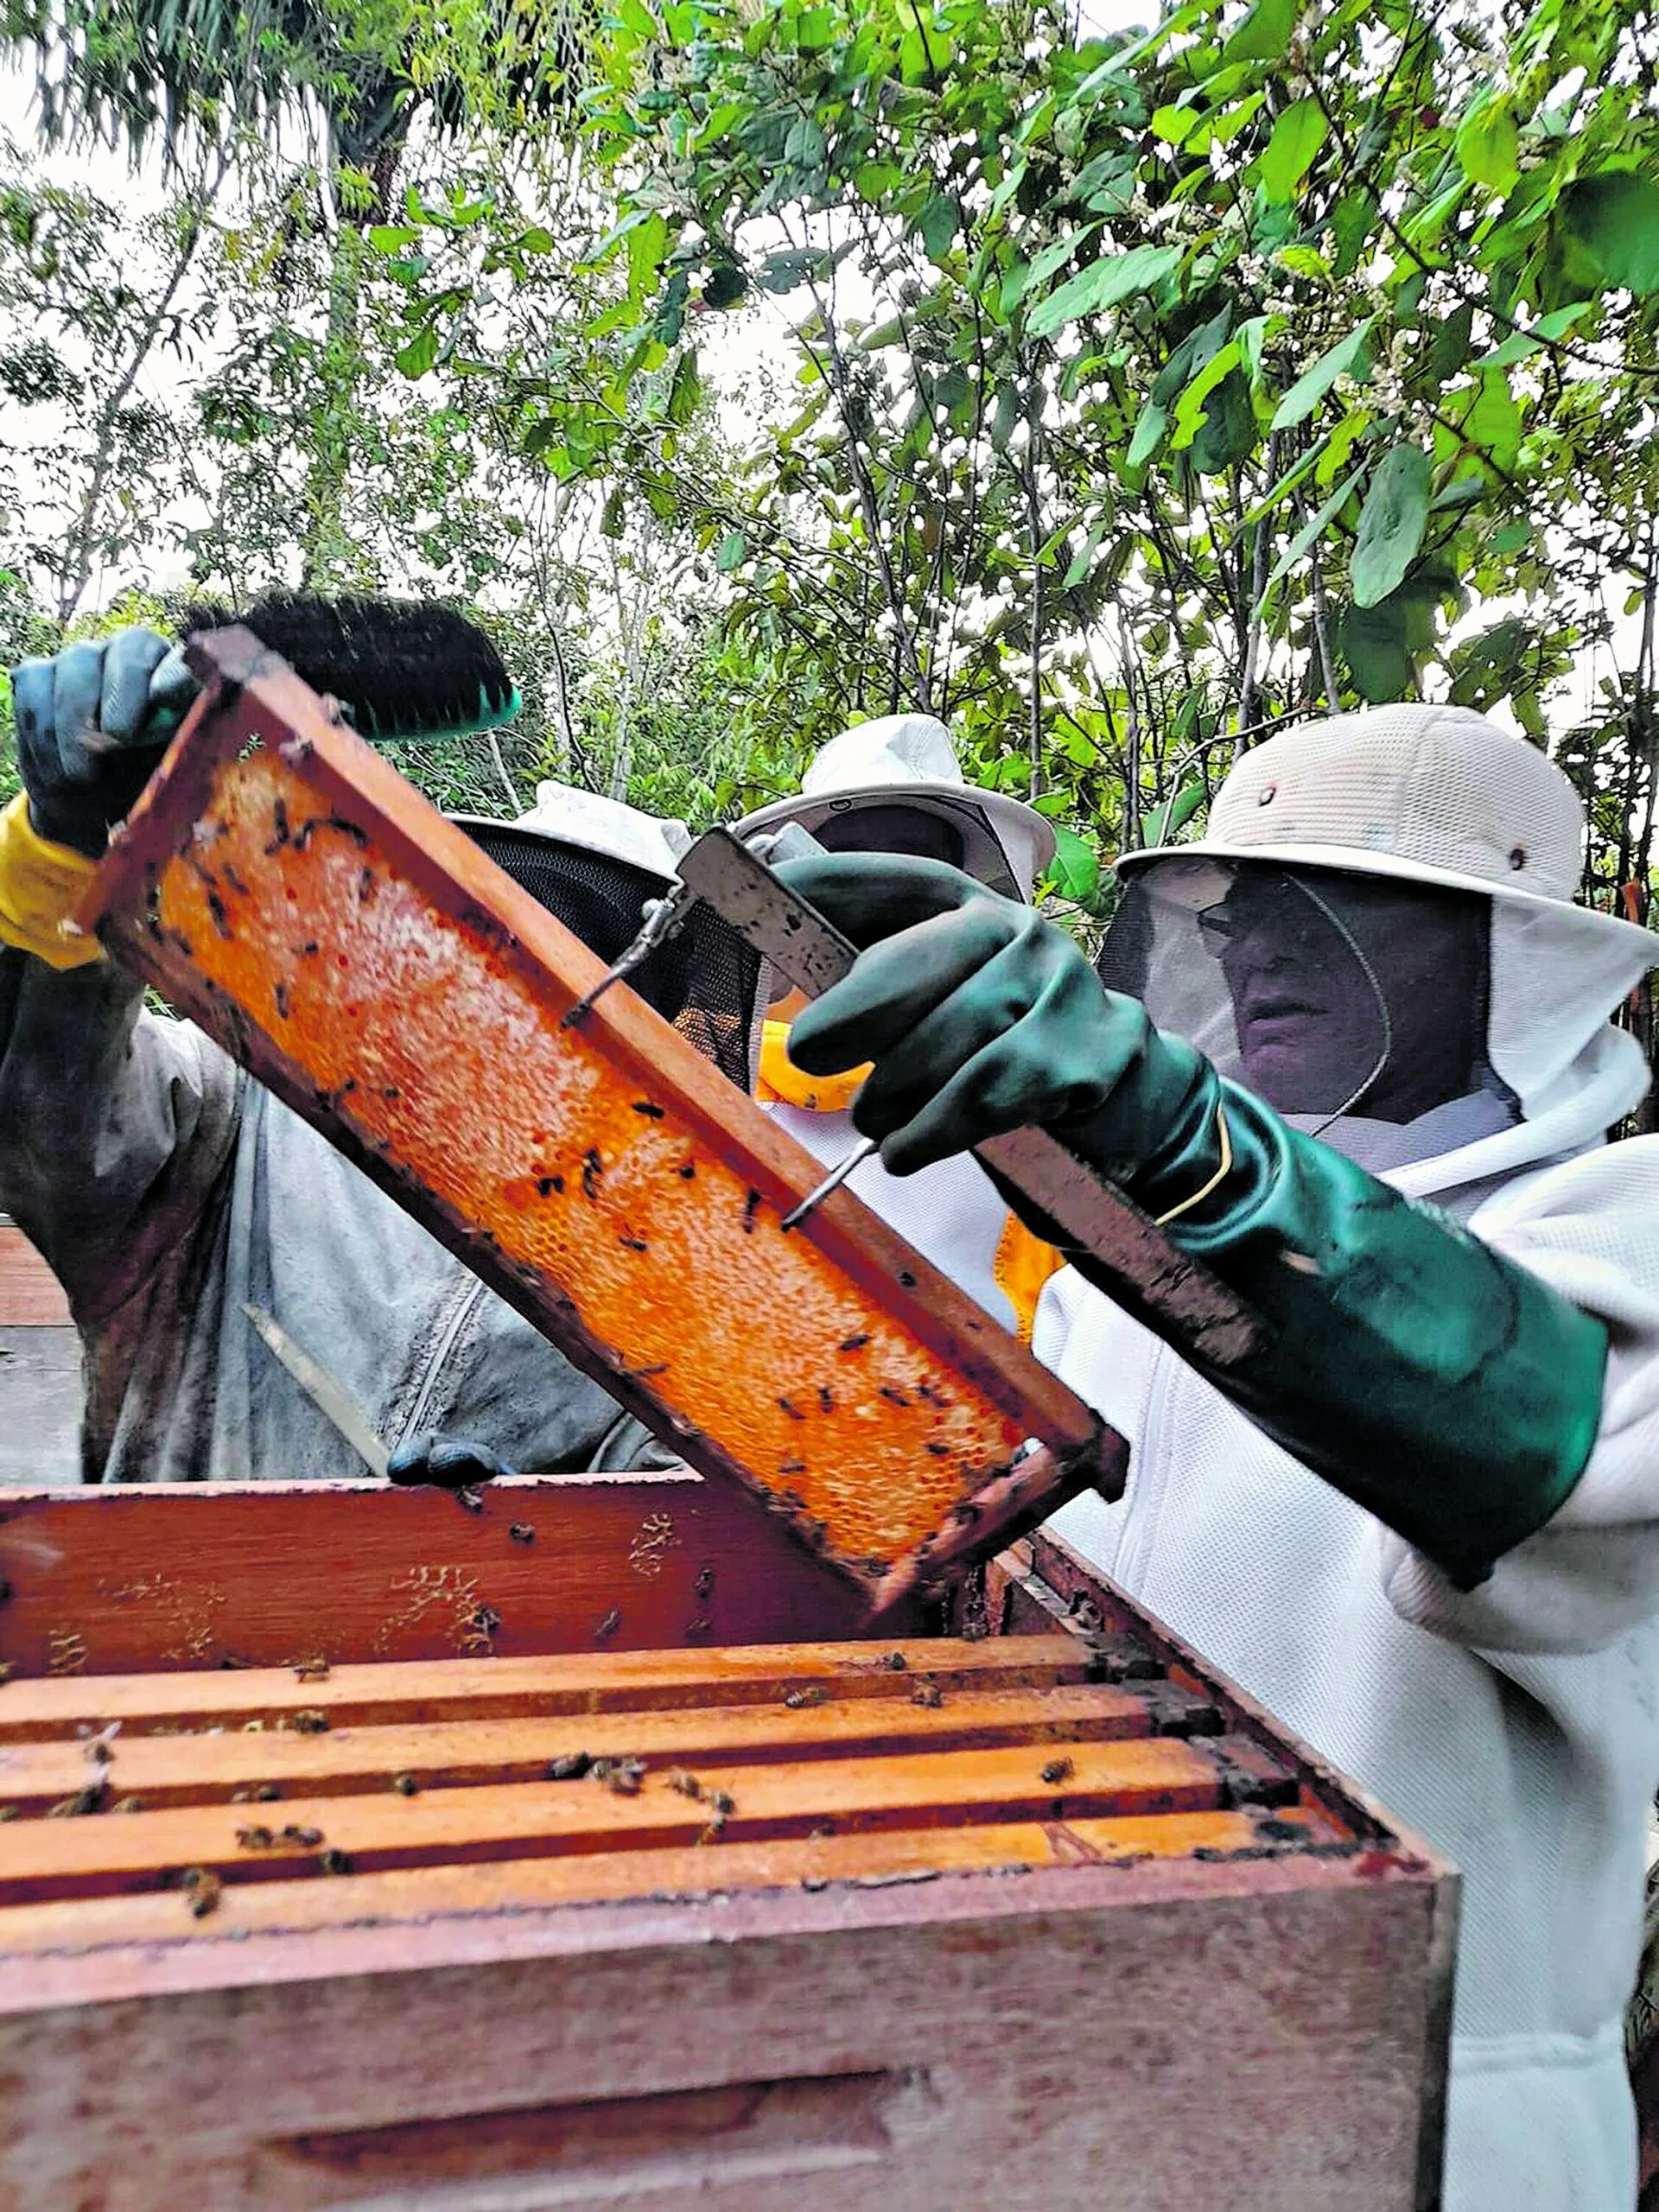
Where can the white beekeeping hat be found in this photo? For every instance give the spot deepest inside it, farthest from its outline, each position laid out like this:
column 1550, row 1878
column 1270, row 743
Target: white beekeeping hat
column 911, row 760
column 1439, row 795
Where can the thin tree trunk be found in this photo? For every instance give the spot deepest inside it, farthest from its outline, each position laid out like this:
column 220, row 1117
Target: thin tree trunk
column 325, row 547
column 1035, row 535
column 1322, row 634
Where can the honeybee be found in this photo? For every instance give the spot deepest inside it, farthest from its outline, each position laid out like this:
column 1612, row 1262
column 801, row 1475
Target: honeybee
column 202, row 1891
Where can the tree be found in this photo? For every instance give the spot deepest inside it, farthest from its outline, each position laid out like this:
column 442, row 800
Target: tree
column 1153, row 388
column 228, row 79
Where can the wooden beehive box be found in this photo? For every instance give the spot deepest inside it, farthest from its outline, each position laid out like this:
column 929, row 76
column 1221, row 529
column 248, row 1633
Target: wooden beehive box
column 309, row 1899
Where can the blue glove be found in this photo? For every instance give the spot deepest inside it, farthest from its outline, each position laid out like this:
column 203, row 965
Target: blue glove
column 93, row 722
column 446, row 1462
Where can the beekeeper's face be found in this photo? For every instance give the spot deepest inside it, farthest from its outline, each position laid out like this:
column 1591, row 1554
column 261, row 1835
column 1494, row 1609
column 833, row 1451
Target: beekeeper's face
column 1351, row 993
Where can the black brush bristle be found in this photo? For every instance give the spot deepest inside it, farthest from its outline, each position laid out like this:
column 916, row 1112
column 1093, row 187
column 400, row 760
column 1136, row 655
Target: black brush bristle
column 400, row 668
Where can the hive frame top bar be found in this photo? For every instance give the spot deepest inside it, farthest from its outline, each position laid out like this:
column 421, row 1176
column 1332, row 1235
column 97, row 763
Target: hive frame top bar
column 251, row 693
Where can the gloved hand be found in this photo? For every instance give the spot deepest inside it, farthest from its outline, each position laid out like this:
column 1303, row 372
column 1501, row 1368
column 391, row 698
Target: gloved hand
column 93, row 722
column 1003, row 1025
column 446, row 1462
column 1447, row 1390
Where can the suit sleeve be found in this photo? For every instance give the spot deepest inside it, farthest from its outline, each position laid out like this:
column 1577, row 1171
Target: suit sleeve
column 115, row 1122
column 1590, row 1229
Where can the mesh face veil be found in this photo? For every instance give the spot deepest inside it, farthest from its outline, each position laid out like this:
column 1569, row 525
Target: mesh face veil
column 703, row 980
column 1326, row 993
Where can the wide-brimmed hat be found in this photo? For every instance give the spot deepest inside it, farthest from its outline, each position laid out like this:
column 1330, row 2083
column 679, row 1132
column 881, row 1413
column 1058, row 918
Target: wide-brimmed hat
column 911, row 760
column 1424, row 794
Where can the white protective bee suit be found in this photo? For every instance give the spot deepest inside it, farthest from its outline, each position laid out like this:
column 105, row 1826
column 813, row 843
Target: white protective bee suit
column 1515, row 1725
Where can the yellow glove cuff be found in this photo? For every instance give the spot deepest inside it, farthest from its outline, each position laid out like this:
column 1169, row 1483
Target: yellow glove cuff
column 41, row 887
column 780, row 1082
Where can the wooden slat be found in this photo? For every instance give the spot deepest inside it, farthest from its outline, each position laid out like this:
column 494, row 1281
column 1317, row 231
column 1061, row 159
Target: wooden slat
column 44, row 1858
column 31, row 1296
column 604, row 1178
column 513, row 1886
column 150, row 1577
column 203, row 1769
column 500, row 1689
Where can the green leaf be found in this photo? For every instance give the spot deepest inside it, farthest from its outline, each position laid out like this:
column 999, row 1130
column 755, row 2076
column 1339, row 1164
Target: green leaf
column 1195, row 349
column 937, row 225
column 1229, row 430
column 1168, row 821
column 1311, row 385
column 392, row 237
column 1190, row 413
column 1493, row 422
column 1252, row 336
column 1287, row 483
column 1372, row 640
column 1173, row 125
column 636, row 18
column 1391, row 523
column 1005, row 417
column 1311, row 532
column 1148, row 431
column 1613, row 221
column 726, row 286
column 782, row 271
column 422, row 351
column 1448, row 345
column 732, row 547
column 684, row 391
column 1264, row 34
column 1106, row 283
column 1083, row 559
column 1488, row 145
column 1297, row 137
column 646, row 246
column 1055, row 255
column 1075, row 869
column 1520, row 343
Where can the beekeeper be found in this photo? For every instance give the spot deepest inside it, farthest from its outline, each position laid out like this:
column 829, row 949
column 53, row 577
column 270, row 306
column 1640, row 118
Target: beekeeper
column 895, row 786
column 1367, row 1075
column 171, row 1193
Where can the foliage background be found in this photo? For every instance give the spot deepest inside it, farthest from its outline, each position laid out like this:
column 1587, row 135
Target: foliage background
column 751, row 365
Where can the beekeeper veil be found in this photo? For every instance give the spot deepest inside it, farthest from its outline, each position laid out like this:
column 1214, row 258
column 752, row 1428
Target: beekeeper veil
column 1377, row 933
column 594, row 864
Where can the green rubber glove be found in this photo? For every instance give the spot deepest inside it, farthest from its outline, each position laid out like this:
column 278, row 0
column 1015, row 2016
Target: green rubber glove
column 1439, row 1384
